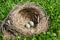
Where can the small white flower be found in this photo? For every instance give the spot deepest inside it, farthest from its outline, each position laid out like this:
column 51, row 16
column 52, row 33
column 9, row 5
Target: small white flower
column 31, row 23
column 18, row 36
column 27, row 25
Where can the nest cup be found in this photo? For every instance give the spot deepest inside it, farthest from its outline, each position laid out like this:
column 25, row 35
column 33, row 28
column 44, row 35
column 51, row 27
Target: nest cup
column 14, row 24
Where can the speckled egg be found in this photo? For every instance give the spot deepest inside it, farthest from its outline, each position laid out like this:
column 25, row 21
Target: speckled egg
column 31, row 23
column 27, row 25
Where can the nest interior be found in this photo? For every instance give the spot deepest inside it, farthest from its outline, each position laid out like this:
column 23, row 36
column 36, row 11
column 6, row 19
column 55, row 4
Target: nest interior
column 15, row 22
column 23, row 17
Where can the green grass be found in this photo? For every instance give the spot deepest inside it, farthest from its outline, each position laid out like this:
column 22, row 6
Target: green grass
column 52, row 7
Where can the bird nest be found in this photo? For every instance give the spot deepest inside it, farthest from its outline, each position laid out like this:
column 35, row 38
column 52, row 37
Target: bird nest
column 14, row 24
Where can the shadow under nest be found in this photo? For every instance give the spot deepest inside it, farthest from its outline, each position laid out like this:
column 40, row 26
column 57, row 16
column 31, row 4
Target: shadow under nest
column 14, row 23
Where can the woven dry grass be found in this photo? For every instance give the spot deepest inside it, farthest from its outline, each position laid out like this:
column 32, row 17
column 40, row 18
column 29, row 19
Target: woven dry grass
column 14, row 24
